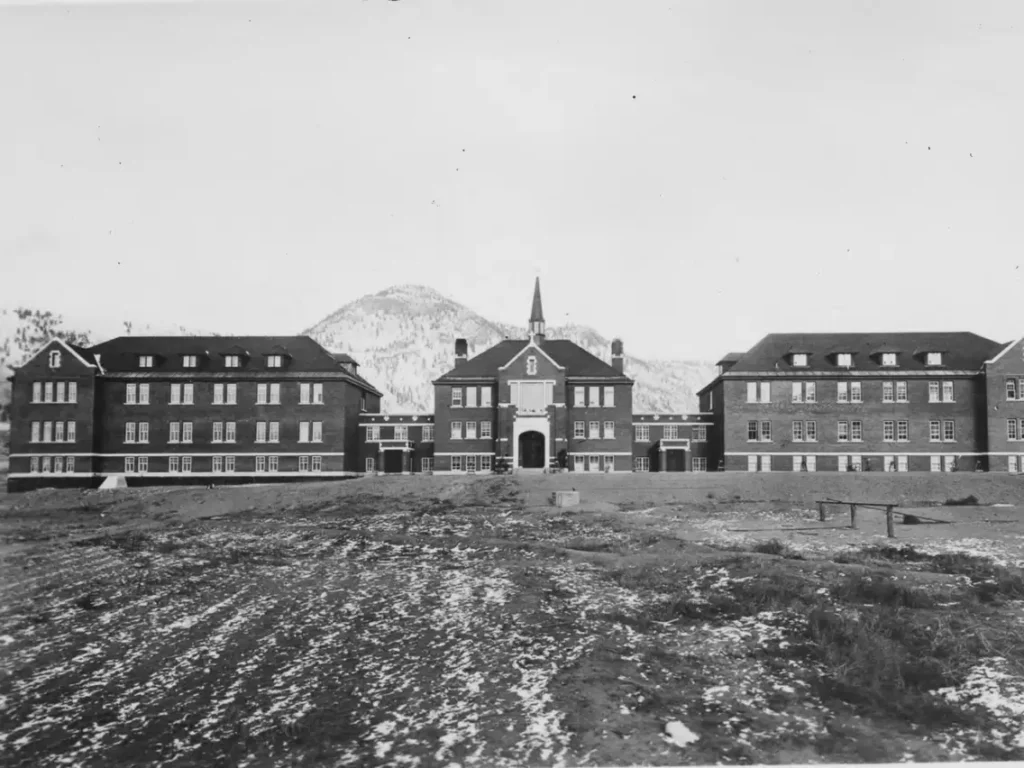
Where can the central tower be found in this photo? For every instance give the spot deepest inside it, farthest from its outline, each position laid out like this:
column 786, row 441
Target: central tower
column 536, row 316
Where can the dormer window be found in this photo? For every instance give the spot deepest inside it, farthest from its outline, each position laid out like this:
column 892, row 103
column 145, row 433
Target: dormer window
column 145, row 361
column 189, row 361
column 799, row 359
column 531, row 366
column 55, row 359
column 231, row 361
column 889, row 359
column 273, row 361
column 844, row 360
column 933, row 358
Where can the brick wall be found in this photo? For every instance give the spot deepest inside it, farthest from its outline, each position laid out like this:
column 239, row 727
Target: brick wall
column 1000, row 409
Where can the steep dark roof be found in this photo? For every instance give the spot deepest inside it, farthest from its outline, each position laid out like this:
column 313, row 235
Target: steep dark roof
column 576, row 361
column 732, row 357
column 961, row 351
column 343, row 357
column 121, row 354
column 536, row 313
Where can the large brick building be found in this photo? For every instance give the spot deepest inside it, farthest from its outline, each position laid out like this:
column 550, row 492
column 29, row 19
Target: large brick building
column 887, row 402
column 186, row 409
column 536, row 403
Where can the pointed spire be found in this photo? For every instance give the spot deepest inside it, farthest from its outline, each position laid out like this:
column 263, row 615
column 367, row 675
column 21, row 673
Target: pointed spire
column 536, row 313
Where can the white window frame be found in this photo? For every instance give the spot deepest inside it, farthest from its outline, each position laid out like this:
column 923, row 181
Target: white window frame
column 579, row 397
column 272, row 464
column 371, row 465
column 844, row 360
column 856, row 431
column 317, row 435
column 810, row 392
column 48, row 392
column 752, row 463
column 593, row 463
column 948, row 428
column 1012, row 465
column 902, row 392
column 902, row 431
column 471, row 430
column 145, row 361
column 37, row 432
column 261, row 431
column 129, row 465
column 58, row 464
column 218, row 432
column 888, row 391
column 531, row 366
column 1011, row 389
column 69, row 464
column 58, row 432
column 188, row 394
column 933, row 358
column 186, row 431
column 373, row 433
column 274, row 361
column 609, row 397
column 643, row 433
column 765, row 432
column 457, row 464
column 174, row 432
column 670, row 432
column 485, row 429
column 902, row 464
column 700, row 463
column 753, row 431
column 579, row 430
column 593, row 430
column 456, row 430
column 935, row 431
column 129, row 432
column 752, row 392
column 948, row 394
column 798, row 392
column 72, row 432
column 273, row 432
column 46, row 464
column 427, row 464
column 889, row 359
column 144, row 432
column 318, row 394
column 131, row 394
column 231, row 394
column 303, row 431
column 578, row 463
column 471, row 463
column 608, row 433
column 218, row 464
column 889, row 431
column 700, row 433
column 799, row 359
column 841, row 428
column 935, row 463
column 593, row 397
column 934, row 392
column 218, row 394
column 798, row 431
column 856, row 392
column 229, row 463
column 811, row 431
column 261, row 394
column 485, row 463
column 765, row 391
column 486, row 397
column 54, row 359
column 186, row 464
column 471, row 397
column 37, row 392
column 61, row 389
column 232, row 361
column 230, row 432
column 1012, row 433
column 456, row 397
column 189, row 361
column 305, row 396
column 428, row 433
column 175, row 395
column 173, row 464
column 842, row 391
column 275, row 394
column 261, row 463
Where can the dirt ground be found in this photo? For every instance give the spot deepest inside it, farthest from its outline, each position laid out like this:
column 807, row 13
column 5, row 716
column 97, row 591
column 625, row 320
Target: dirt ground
column 440, row 620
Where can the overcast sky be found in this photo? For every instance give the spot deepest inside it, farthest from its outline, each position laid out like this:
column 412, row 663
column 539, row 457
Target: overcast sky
column 689, row 175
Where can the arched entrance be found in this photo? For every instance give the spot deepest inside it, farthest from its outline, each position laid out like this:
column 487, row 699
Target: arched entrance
column 531, row 451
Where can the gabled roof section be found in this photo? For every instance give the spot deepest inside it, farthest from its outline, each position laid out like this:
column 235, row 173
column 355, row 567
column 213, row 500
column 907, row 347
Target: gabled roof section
column 962, row 351
column 578, row 362
column 732, row 357
column 82, row 355
column 567, row 355
column 343, row 357
column 1005, row 349
column 531, row 345
column 486, row 364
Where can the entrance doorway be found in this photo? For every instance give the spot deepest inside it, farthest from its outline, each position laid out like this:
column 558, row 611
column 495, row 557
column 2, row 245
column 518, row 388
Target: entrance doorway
column 531, row 451
column 393, row 462
column 675, row 461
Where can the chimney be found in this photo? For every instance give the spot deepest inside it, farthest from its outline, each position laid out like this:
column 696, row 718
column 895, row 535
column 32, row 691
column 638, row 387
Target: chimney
column 460, row 352
column 617, row 361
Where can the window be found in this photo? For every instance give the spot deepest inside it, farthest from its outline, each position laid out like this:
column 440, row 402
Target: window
column 58, row 432
column 71, row 437
column 594, row 430
column 69, row 464
column 456, row 397
column 427, row 464
column 48, row 431
column 485, row 429
column 935, row 463
column 33, row 464
column 811, row 429
column 261, row 463
column 471, row 430
column 889, row 359
column 370, row 465
column 949, row 431
column 1011, row 464
column 48, row 392
column 373, row 432
column 231, row 361
column 887, row 392
column 594, row 397
column 609, row 397
column 1011, row 389
column 640, row 463
column 129, row 432
column 700, row 464
column 55, row 359
column 229, row 463
column 903, row 431
column 35, row 432
column 229, row 431
column 643, row 432
column 456, row 430
column 901, row 392
column 273, row 361
column 186, row 432
column 428, row 432
column 608, row 463
column 934, row 431
column 798, row 463
column 401, row 432
column 810, row 392
column 186, row 463
column 609, row 430
column 456, row 463
column 189, row 361
column 855, row 392
column 261, row 431
column 700, row 434
column 145, row 361
column 751, row 463
column 46, row 463
column 317, row 463
column 798, row 431
column 471, row 463
column 275, row 394
column 129, row 464
column 471, row 397
column 318, row 396
column 274, row 429
column 232, row 394
column 889, row 464
column 58, row 463
column 60, row 392
column 218, row 463
column 889, row 431
column 751, row 431
column 934, row 358
column 37, row 392
column 842, row 392
column 843, row 432
column 318, row 431
column 766, row 392
column 844, row 360
column 188, row 395
column 800, row 359
column 303, row 431
column 593, row 463
column 485, row 463
column 362, row 402
column 579, row 430
column 933, row 391
column 174, row 436
column 261, row 394
column 1012, row 432
column 175, row 397
column 670, row 432
column 901, row 464
column 856, row 431
column 531, row 366
column 485, row 397
column 131, row 394
column 766, row 463
column 579, row 397
column 218, row 432
column 218, row 394
column 144, row 394
column 72, row 392
column 173, row 464
column 751, row 391
column 272, row 463
column 947, row 392
column 798, row 392
column 303, row 463
column 144, row 432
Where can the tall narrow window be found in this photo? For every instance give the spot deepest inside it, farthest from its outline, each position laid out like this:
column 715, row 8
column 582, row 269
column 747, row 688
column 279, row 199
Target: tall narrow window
column 579, row 397
column 261, row 431
column 175, row 398
column 609, row 430
column 766, row 392
column 811, row 392
column 304, row 394
column 842, row 392
column 275, row 432
column 60, row 391
column 174, row 435
column 71, row 432
column 947, row 392
column 318, row 431
column 798, row 392
column 609, row 397
column 129, row 432
column 130, row 394
column 144, row 432
column 48, row 392
column 456, row 397
column 188, row 394
column 888, row 392
column 58, row 434
column 303, row 431
column 485, row 429
column 766, row 431
column 485, row 397
column 218, row 432
column 218, row 394
column 72, row 392
column 855, row 392
column 471, row 430
column 37, row 392
column 594, row 397
column 901, row 392
column 232, row 394
column 933, row 391
column 751, row 391
column 275, row 394
column 471, row 397
column 318, row 395
column 229, row 432
column 261, row 394
column 144, row 394
column 186, row 432
column 35, row 431
column 594, row 430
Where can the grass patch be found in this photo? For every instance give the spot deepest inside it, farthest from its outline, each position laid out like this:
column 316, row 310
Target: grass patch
column 776, row 547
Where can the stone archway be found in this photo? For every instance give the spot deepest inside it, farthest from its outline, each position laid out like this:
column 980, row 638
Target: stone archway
column 532, row 453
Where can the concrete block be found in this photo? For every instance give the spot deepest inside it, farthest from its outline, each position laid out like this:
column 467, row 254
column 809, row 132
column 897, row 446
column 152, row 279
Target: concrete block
column 567, row 498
